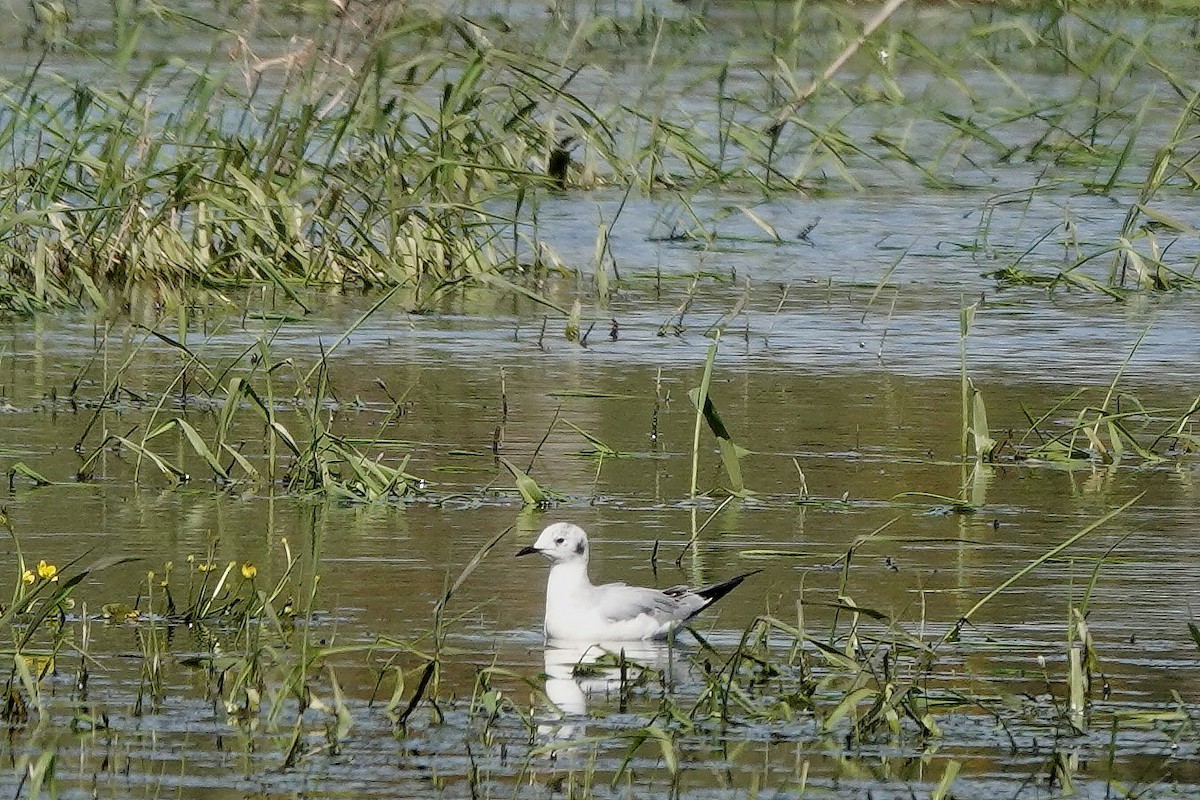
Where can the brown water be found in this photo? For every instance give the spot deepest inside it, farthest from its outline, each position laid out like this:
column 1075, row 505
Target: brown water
column 845, row 363
column 862, row 429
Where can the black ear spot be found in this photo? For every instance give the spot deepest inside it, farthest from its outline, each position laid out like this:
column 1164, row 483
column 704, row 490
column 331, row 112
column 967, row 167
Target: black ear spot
column 579, row 547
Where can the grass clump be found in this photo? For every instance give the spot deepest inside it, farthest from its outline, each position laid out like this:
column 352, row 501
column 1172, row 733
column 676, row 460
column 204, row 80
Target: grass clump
column 250, row 421
column 244, row 632
column 313, row 173
column 389, row 145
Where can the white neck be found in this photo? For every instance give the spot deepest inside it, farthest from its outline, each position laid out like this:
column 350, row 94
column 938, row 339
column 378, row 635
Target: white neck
column 566, row 589
column 568, row 577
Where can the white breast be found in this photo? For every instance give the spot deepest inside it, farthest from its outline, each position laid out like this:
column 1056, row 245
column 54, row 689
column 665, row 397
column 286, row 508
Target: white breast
column 591, row 627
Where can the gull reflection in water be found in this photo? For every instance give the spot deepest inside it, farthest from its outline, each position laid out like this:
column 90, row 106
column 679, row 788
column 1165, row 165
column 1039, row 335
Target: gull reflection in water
column 605, row 670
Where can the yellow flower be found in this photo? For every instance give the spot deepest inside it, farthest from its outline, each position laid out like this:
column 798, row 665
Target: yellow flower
column 47, row 572
column 249, row 571
column 28, row 577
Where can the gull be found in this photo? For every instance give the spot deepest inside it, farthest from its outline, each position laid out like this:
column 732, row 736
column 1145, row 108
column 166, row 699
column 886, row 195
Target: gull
column 578, row 611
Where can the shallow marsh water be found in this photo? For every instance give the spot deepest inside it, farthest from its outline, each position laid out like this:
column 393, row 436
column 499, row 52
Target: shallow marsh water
column 845, row 363
column 861, row 428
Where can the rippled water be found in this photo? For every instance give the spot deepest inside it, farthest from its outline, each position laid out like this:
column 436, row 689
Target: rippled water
column 841, row 375
column 861, row 427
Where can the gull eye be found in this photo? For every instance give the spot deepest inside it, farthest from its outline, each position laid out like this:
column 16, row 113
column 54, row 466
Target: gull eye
column 559, row 540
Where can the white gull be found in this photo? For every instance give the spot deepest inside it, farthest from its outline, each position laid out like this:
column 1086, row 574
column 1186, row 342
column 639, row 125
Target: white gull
column 578, row 611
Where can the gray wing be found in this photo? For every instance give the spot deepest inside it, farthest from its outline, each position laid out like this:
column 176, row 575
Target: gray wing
column 616, row 601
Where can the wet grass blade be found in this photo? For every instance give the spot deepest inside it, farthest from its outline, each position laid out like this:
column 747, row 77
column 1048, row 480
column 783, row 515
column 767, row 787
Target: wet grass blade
column 470, row 567
column 699, row 400
column 1037, row 562
column 164, row 466
column 63, row 589
column 530, row 491
column 848, row 704
column 600, row 447
column 200, row 447
column 25, row 471
column 731, row 452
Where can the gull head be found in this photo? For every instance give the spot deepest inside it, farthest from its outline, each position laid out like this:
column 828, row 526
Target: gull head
column 561, row 542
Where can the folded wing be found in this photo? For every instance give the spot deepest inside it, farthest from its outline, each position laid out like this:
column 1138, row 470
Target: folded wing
column 651, row 613
column 616, row 602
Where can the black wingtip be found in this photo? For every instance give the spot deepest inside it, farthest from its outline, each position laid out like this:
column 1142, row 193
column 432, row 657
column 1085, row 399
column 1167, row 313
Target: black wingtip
column 716, row 591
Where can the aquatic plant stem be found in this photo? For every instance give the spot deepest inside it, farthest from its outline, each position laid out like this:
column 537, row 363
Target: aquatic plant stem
column 966, row 316
column 698, row 529
column 1037, row 562
column 701, row 398
column 370, row 312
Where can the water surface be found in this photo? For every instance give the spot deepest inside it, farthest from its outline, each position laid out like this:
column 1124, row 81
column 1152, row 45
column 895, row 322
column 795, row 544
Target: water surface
column 840, row 375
